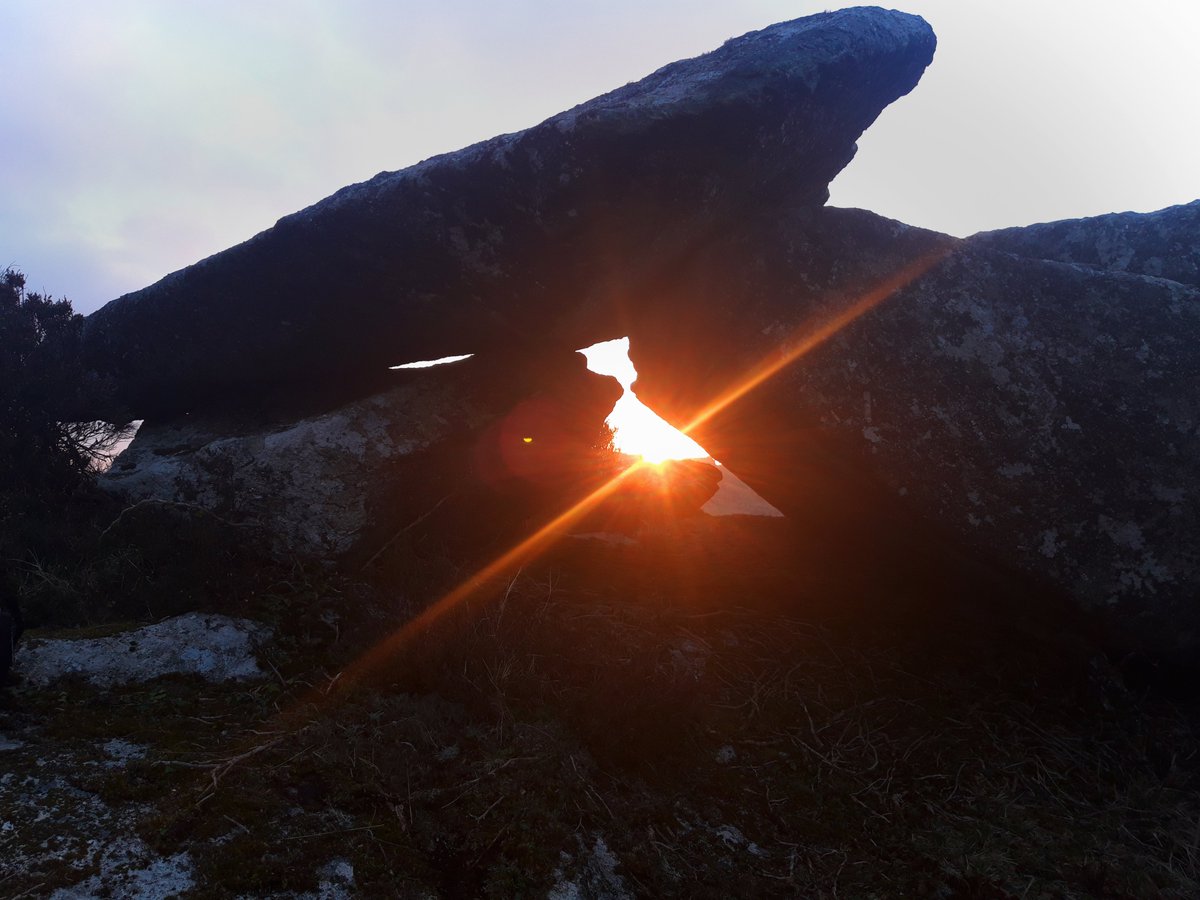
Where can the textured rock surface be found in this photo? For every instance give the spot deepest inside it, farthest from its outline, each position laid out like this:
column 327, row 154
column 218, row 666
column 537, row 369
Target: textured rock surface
column 306, row 484
column 1164, row 244
column 1046, row 412
column 596, row 876
column 524, row 239
column 216, row 648
column 49, row 823
column 320, row 484
column 1031, row 392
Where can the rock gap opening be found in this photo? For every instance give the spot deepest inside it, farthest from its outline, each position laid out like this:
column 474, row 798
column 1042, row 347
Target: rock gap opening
column 426, row 363
column 639, row 431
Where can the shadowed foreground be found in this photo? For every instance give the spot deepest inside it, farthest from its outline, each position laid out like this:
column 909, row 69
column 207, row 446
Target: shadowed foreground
column 733, row 707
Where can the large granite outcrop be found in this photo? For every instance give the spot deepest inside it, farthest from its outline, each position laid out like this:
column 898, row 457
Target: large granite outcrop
column 529, row 239
column 1163, row 244
column 497, row 435
column 1048, row 414
column 1036, row 407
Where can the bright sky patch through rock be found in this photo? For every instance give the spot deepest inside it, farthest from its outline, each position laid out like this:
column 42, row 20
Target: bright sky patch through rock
column 637, row 430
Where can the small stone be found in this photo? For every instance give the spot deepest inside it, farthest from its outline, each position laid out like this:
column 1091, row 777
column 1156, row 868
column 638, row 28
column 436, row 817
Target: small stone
column 216, row 648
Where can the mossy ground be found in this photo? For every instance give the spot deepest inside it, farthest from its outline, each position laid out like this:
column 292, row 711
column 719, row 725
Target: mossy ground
column 723, row 704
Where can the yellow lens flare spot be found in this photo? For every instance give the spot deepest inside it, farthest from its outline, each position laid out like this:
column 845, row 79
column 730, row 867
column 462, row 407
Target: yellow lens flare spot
column 527, row 440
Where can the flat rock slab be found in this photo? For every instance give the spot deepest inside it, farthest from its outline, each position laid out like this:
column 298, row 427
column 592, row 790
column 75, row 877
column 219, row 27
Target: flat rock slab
column 216, row 648
column 1162, row 244
column 537, row 238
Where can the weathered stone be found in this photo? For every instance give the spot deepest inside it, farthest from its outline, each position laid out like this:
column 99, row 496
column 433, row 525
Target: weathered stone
column 529, row 239
column 1047, row 413
column 595, row 875
column 215, row 648
column 1164, row 244
column 325, row 484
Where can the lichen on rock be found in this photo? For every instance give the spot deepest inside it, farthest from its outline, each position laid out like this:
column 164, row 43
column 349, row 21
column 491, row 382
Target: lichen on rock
column 213, row 647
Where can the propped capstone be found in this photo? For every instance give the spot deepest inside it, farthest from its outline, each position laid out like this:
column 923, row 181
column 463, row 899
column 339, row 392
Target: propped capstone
column 536, row 238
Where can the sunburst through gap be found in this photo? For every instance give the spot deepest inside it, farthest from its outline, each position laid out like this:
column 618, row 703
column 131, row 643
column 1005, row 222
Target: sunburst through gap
column 637, row 430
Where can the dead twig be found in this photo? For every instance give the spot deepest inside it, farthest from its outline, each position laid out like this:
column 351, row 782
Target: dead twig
column 483, row 815
column 221, row 770
column 237, row 823
column 301, row 837
column 411, row 525
column 179, row 504
column 488, row 774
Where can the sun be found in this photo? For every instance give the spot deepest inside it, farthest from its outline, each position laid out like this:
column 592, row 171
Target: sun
column 637, row 430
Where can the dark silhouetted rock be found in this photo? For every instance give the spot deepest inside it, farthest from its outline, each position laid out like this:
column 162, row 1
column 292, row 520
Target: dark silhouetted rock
column 1164, row 244
column 1046, row 413
column 529, row 239
column 1031, row 394
column 656, row 496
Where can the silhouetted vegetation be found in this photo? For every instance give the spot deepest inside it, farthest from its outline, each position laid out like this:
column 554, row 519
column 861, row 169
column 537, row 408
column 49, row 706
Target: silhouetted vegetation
column 46, row 458
column 67, row 554
column 45, row 390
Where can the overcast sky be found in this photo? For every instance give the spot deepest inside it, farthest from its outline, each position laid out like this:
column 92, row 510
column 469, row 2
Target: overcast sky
column 142, row 135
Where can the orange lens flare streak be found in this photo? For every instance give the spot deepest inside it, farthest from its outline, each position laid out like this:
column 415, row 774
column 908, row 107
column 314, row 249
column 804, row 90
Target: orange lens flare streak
column 544, row 536
column 806, row 338
column 516, row 556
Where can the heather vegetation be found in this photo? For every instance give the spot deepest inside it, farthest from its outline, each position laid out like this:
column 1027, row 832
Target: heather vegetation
column 46, row 458
column 68, row 554
column 44, row 387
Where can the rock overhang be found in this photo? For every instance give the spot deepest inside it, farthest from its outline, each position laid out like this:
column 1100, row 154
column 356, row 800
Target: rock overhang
column 538, row 237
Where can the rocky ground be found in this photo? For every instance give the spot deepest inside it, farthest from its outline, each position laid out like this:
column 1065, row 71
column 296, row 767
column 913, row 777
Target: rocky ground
column 715, row 708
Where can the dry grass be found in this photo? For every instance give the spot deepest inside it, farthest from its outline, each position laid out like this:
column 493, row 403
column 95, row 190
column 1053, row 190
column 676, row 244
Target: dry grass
column 704, row 703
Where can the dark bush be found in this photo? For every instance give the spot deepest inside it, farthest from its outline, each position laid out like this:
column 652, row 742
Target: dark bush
column 47, row 442
column 49, row 448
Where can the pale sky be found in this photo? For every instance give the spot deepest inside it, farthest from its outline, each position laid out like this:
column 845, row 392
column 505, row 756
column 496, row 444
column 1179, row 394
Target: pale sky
column 143, row 135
